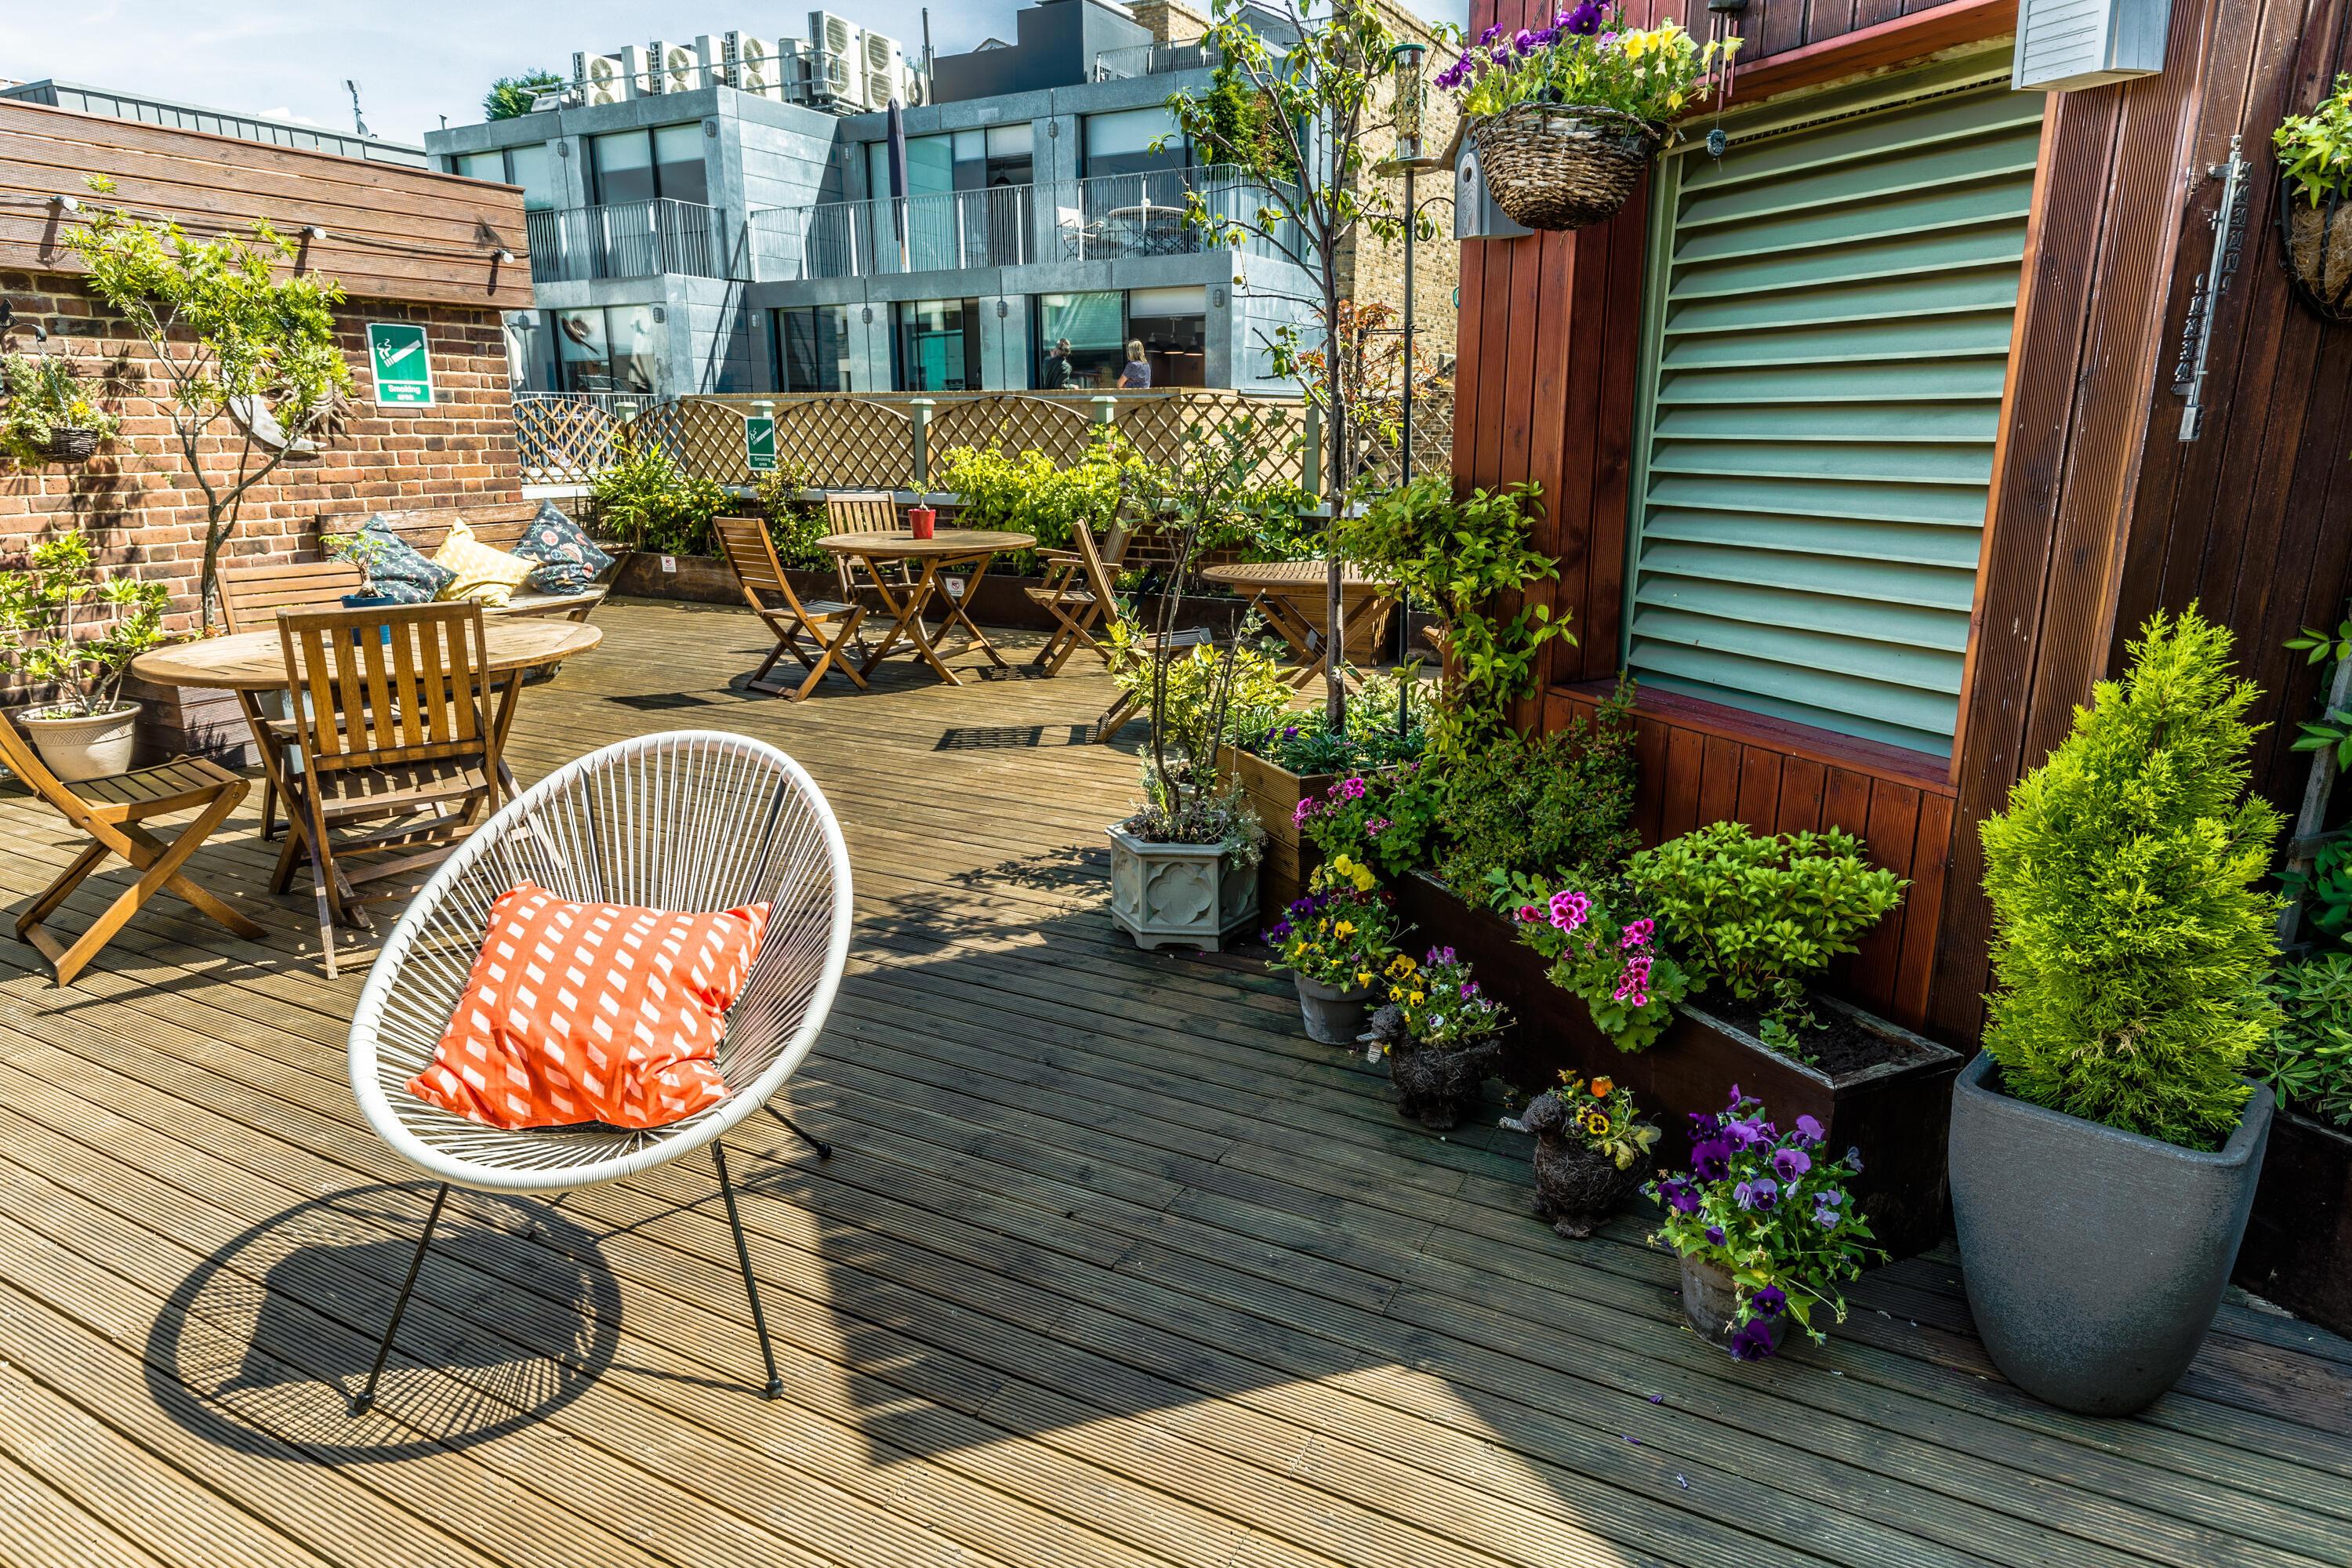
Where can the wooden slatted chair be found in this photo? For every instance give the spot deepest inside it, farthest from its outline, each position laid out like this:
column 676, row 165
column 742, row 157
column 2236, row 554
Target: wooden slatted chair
column 1090, row 626
column 831, row 624
column 392, row 715
column 874, row 511
column 112, row 812
column 251, row 600
column 1074, row 593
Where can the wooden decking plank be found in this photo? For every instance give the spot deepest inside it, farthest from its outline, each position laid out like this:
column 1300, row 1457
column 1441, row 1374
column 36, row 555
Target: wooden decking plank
column 47, row 1529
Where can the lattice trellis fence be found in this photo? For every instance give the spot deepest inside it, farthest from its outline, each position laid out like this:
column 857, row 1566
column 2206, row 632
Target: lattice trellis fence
column 1013, row 422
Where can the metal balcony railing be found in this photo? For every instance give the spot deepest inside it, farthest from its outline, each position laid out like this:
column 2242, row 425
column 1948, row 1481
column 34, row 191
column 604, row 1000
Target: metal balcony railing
column 1144, row 213
column 629, row 239
column 1153, row 59
column 943, row 231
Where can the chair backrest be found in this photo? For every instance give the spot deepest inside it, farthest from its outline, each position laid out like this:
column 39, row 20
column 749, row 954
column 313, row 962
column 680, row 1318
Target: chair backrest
column 752, row 552
column 861, row 511
column 1100, row 578
column 251, row 598
column 384, row 687
column 688, row 820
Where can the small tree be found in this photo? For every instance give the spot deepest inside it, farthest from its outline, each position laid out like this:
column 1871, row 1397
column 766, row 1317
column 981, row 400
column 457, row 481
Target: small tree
column 2130, row 941
column 1308, row 150
column 511, row 96
column 230, row 336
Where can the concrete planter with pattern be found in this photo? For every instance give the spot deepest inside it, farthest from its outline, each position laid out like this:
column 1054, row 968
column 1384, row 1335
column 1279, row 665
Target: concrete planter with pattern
column 1189, row 894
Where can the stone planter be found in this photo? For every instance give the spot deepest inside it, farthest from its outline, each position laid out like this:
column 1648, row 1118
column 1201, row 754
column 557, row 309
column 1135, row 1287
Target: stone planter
column 1438, row 1088
column 1187, row 893
column 77, row 746
column 1333, row 1017
column 2298, row 1248
column 1711, row 1302
column 1896, row 1112
column 2093, row 1257
column 1576, row 1188
column 1274, row 793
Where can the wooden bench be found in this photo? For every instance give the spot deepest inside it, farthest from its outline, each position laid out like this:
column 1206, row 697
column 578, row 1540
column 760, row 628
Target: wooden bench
column 499, row 524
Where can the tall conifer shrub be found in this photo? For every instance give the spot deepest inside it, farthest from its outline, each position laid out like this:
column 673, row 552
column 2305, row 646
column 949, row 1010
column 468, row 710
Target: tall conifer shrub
column 2130, row 943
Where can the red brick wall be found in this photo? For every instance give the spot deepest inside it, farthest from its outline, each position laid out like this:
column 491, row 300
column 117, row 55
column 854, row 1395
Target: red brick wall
column 142, row 506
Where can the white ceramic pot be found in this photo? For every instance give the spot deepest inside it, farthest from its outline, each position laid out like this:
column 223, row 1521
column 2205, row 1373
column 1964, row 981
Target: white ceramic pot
column 77, row 746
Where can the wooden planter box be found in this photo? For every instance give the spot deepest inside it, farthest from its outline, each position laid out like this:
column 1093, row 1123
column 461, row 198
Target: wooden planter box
column 2298, row 1246
column 689, row 579
column 1275, row 793
column 1898, row 1111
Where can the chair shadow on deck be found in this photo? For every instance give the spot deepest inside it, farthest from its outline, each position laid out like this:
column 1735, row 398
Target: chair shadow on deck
column 265, row 1343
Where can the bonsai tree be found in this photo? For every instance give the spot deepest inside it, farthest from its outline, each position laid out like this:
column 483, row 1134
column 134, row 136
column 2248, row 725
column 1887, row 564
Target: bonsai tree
column 68, row 625
column 1307, row 144
column 2131, row 942
column 509, row 97
column 226, row 328
column 46, row 398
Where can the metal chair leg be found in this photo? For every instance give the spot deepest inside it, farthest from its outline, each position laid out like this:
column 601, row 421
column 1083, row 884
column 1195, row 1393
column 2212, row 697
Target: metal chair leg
column 824, row 1150
column 743, row 1256
column 366, row 1397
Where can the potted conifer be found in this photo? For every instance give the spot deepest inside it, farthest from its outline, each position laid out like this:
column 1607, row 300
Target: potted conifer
column 2105, row 1147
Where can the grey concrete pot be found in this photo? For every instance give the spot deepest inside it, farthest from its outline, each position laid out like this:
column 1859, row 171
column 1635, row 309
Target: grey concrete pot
column 2094, row 1258
column 1332, row 1017
column 1189, row 893
column 1711, row 1302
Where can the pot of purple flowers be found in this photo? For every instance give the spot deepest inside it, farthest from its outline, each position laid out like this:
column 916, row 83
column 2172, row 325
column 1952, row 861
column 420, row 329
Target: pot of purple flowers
column 1765, row 1226
column 1443, row 1036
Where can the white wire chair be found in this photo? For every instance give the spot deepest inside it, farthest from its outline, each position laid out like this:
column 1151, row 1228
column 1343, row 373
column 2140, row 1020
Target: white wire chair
column 688, row 820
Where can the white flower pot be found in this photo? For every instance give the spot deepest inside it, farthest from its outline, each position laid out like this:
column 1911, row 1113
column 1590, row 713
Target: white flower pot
column 1191, row 893
column 77, row 746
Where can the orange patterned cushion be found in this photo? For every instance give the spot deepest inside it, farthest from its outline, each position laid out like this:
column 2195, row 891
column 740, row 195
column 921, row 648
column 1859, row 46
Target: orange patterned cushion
column 591, row 1013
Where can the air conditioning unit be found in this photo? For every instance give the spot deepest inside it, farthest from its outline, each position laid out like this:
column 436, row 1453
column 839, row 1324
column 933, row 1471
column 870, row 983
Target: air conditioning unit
column 609, row 78
column 885, row 65
column 840, row 45
column 755, row 65
column 678, row 67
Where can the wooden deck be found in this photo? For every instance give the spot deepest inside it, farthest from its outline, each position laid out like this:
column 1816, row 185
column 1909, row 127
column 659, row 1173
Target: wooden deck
column 1113, row 1268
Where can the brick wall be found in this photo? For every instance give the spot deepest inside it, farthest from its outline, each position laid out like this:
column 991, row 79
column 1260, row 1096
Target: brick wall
column 1372, row 270
column 140, row 503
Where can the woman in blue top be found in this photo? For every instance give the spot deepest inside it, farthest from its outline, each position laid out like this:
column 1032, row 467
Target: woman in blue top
column 1138, row 369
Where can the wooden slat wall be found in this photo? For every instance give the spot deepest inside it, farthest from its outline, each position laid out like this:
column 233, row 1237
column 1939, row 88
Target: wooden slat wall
column 393, row 232
column 2099, row 512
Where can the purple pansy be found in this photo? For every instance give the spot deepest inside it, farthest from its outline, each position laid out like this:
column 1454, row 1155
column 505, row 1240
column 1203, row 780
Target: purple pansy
column 1790, row 1164
column 1810, row 1130
column 1752, row 1340
column 1770, row 1302
column 1583, row 20
column 1715, row 1234
column 1854, row 1160
column 1711, row 1160
column 1760, row 1192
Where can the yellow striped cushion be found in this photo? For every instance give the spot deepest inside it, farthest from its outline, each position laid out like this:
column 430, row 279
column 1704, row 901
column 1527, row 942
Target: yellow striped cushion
column 484, row 574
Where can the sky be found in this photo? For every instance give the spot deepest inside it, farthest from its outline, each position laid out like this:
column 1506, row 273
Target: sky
column 415, row 61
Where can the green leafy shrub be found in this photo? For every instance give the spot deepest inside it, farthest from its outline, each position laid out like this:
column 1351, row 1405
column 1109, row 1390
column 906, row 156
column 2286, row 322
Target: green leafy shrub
column 1469, row 559
column 1759, row 914
column 2315, row 150
column 67, row 624
column 1027, row 493
column 1385, row 818
column 1304, row 742
column 2308, row 1062
column 794, row 523
column 646, row 501
column 2130, row 941
column 1513, row 806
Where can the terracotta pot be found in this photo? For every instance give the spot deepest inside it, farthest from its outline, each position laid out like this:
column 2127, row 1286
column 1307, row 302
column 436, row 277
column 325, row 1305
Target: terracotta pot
column 77, row 746
column 1578, row 1188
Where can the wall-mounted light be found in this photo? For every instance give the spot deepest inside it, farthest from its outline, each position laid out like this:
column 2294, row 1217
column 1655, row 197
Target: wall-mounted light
column 313, row 231
column 64, row 204
column 502, row 255
column 1003, row 310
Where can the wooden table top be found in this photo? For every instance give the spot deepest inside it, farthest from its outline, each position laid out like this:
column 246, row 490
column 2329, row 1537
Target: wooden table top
column 1280, row 574
column 943, row 542
column 255, row 661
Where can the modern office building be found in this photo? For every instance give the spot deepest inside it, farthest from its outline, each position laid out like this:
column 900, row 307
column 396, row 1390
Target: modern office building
column 726, row 222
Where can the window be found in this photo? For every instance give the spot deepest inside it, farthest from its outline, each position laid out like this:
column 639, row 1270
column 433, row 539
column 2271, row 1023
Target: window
column 1173, row 324
column 1821, row 381
column 811, row 349
column 955, row 161
column 937, row 345
column 616, row 348
column 640, row 165
column 1095, row 326
column 1120, row 144
column 524, row 167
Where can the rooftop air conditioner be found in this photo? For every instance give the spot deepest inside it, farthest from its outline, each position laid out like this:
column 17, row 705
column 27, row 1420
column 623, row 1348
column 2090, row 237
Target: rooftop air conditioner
column 841, row 50
column 610, row 79
column 753, row 63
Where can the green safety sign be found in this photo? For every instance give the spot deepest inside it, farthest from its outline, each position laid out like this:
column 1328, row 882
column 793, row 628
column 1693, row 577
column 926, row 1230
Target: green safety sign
column 760, row 443
column 402, row 364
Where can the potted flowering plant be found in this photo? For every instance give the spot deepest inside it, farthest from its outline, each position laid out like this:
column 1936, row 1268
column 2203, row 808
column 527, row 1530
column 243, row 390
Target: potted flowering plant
column 2315, row 162
column 1338, row 939
column 88, row 731
column 1442, row 1036
column 1566, row 117
column 50, row 417
column 1764, row 1227
column 1609, row 959
column 1592, row 1150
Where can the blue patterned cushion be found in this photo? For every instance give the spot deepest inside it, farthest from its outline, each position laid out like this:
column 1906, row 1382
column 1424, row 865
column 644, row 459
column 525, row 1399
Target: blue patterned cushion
column 399, row 571
column 570, row 560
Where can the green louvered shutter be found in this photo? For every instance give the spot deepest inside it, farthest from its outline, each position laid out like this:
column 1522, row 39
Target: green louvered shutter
column 1828, row 327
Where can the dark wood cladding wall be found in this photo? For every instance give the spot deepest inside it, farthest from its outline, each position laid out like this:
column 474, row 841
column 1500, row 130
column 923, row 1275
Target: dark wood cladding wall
column 2099, row 512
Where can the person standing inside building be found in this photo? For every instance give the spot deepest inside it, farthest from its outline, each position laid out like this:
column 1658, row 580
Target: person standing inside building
column 1060, row 373
column 1137, row 371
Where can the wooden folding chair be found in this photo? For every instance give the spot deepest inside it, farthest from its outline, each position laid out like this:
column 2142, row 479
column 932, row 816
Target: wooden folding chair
column 394, row 722
column 1077, row 593
column 874, row 511
column 831, row 626
column 251, row 600
column 111, row 811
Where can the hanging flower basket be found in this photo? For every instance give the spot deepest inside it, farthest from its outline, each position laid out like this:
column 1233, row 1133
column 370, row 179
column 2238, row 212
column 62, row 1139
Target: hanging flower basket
column 71, row 443
column 2315, row 246
column 1563, row 166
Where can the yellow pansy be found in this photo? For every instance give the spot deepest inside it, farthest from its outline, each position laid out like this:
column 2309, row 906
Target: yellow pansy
column 1636, row 44
column 1345, row 928
column 1364, row 977
column 1674, row 100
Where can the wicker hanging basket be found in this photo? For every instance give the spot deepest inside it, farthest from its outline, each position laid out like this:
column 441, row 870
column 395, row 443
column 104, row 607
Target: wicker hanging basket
column 70, row 444
column 2315, row 246
column 1562, row 165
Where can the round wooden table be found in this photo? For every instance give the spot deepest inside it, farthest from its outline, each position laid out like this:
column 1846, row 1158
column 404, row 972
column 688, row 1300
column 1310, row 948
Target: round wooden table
column 907, row 602
column 1291, row 595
